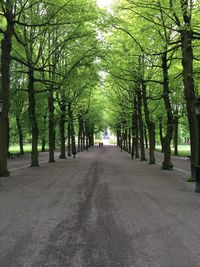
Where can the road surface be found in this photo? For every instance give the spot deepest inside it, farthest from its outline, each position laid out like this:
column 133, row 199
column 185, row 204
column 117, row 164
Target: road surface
column 101, row 209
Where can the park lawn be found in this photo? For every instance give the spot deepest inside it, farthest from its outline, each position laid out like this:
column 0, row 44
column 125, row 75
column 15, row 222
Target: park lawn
column 183, row 150
column 27, row 148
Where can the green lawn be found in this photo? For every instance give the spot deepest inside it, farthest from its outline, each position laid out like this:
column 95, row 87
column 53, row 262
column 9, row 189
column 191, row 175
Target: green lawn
column 183, row 150
column 27, row 148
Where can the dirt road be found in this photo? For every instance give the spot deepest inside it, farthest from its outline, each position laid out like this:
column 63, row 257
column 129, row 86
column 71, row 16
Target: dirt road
column 101, row 209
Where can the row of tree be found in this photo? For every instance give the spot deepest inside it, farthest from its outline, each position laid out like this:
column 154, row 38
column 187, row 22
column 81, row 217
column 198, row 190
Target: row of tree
column 49, row 76
column 153, row 66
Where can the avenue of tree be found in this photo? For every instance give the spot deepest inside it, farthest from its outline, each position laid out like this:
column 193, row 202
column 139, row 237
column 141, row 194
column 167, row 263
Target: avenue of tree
column 70, row 69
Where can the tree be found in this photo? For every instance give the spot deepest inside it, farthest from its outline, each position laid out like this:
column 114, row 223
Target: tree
column 7, row 12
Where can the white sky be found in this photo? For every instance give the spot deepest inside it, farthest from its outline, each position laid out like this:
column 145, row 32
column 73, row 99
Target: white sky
column 104, row 3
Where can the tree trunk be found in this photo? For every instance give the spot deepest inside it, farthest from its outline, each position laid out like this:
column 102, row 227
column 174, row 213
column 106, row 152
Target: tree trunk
column 6, row 47
column 133, row 135
column 54, row 140
column 141, row 125
column 51, row 126
column 176, row 122
column 136, row 143
column 150, row 126
column 84, row 138
column 20, row 135
column 43, row 144
column 82, row 134
column 79, row 142
column 86, row 135
column 161, row 137
column 44, row 134
column 8, row 138
column 152, row 159
column 189, row 92
column 118, row 131
column 62, row 134
column 72, row 134
column 146, row 138
column 129, row 141
column 122, row 139
column 69, row 132
column 80, row 130
column 91, row 136
column 167, row 164
column 125, row 139
column 33, row 120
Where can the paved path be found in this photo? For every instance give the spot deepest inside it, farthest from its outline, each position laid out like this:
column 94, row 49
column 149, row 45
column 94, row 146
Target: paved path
column 101, row 209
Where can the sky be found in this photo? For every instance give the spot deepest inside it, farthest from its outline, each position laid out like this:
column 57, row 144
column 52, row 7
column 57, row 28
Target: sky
column 104, row 3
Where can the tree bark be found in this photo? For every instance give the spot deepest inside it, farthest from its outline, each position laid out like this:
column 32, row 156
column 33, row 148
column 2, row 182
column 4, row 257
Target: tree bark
column 118, row 131
column 146, row 138
column 150, row 125
column 69, row 132
column 51, row 127
column 141, row 125
column 8, row 137
column 189, row 92
column 125, row 139
column 43, row 144
column 82, row 134
column 161, row 135
column 32, row 118
column 80, row 130
column 84, row 137
column 129, row 140
column 62, row 133
column 133, row 135
column 44, row 135
column 6, row 47
column 167, row 164
column 136, row 143
column 72, row 134
column 176, row 122
column 91, row 136
column 20, row 134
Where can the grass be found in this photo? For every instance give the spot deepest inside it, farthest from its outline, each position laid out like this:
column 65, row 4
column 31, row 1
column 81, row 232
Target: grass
column 27, row 148
column 190, row 179
column 183, row 150
column 97, row 141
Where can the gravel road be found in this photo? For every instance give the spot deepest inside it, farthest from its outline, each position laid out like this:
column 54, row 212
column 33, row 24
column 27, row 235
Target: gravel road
column 101, row 209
